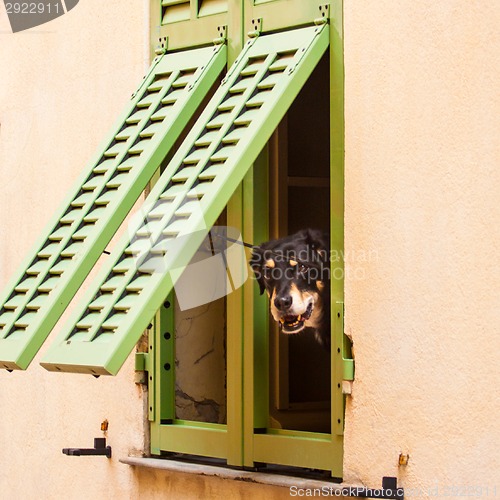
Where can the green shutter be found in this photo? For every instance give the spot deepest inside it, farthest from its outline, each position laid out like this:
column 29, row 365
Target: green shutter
column 191, row 193
column 158, row 112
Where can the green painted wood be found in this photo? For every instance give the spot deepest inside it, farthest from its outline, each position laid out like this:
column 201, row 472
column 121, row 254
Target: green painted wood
column 188, row 23
column 235, row 346
column 161, row 375
column 282, row 14
column 339, row 340
column 73, row 241
column 194, row 438
column 165, row 356
column 99, row 342
column 312, row 450
column 255, row 324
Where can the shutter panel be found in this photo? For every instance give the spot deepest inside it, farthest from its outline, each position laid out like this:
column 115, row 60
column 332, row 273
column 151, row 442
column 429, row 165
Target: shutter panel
column 190, row 195
column 158, row 112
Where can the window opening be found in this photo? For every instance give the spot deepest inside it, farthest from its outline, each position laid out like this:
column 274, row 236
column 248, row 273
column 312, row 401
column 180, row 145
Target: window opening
column 300, row 183
column 200, row 359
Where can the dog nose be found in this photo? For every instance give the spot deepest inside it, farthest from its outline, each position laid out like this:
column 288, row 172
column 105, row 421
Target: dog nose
column 283, row 303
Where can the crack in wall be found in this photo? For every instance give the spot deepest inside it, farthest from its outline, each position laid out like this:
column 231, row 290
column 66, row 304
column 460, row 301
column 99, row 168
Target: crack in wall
column 204, row 355
column 208, row 409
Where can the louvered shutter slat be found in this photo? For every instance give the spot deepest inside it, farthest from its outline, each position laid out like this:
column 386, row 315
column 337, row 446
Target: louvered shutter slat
column 180, row 231
column 103, row 196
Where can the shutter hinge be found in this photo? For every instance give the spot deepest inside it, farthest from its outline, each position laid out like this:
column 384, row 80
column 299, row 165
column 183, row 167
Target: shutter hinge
column 160, row 50
column 221, row 35
column 162, row 46
column 199, row 71
column 324, row 14
column 344, row 351
column 242, row 54
column 348, row 369
column 142, row 365
column 256, row 27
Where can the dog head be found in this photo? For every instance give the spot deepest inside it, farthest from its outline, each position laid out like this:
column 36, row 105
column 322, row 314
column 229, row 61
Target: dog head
column 295, row 273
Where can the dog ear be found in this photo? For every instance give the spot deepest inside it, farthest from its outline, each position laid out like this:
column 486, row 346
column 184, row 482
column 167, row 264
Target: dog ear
column 256, row 262
column 318, row 240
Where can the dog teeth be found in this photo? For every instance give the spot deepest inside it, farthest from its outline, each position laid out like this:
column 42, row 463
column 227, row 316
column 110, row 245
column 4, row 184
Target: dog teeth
column 298, row 319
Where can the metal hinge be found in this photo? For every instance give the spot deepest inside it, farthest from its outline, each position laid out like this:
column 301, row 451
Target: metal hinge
column 199, row 71
column 348, row 369
column 324, row 14
column 160, row 50
column 256, row 27
column 221, row 35
column 162, row 46
column 343, row 351
column 242, row 54
column 142, row 366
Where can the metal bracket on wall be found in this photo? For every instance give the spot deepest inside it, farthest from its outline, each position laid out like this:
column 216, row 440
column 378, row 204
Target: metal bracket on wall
column 142, row 365
column 99, row 449
column 256, row 27
column 348, row 369
column 389, row 490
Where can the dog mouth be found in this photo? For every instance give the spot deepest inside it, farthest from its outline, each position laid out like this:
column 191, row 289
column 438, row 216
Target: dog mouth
column 294, row 324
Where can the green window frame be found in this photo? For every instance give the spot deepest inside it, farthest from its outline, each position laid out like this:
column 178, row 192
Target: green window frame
column 246, row 439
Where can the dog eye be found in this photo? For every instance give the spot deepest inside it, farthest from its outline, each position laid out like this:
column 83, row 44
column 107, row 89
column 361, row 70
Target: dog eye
column 267, row 273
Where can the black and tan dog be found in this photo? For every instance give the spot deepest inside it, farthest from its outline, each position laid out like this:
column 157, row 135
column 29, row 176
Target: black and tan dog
column 295, row 273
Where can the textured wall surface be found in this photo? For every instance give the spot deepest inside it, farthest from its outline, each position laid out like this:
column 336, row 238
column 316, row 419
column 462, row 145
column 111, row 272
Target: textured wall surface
column 61, row 87
column 422, row 195
column 422, row 242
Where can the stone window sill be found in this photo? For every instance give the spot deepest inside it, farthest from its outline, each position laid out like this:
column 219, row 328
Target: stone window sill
column 238, row 475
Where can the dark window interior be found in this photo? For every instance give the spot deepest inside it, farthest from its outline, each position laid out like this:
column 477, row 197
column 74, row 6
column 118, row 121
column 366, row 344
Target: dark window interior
column 300, row 198
column 299, row 168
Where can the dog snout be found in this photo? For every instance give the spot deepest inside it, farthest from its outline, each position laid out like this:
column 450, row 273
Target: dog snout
column 283, row 303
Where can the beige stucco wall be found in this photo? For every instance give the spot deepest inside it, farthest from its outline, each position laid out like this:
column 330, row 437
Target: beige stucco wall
column 61, row 87
column 422, row 185
column 422, row 193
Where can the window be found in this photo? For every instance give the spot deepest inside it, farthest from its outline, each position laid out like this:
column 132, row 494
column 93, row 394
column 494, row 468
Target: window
column 253, row 409
column 225, row 389
column 300, row 186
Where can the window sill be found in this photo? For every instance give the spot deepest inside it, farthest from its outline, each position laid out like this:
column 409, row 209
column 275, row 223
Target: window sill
column 238, row 475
